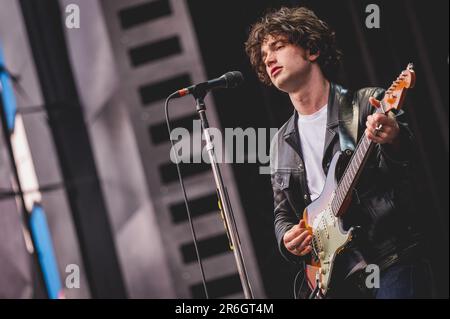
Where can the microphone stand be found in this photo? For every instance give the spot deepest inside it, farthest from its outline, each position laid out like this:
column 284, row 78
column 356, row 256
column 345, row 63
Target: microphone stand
column 224, row 201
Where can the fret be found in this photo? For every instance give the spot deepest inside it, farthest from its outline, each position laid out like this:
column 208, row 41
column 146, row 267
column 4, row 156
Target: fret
column 339, row 201
column 353, row 169
column 337, row 197
column 347, row 178
column 363, row 144
column 349, row 172
column 357, row 156
column 344, row 188
column 340, row 197
column 347, row 184
column 366, row 143
column 356, row 166
column 360, row 158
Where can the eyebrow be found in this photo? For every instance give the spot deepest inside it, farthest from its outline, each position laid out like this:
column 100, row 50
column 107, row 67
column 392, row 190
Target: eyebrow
column 271, row 46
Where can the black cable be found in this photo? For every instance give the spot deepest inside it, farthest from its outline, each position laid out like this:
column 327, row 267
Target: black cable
column 186, row 203
column 296, row 296
column 316, row 292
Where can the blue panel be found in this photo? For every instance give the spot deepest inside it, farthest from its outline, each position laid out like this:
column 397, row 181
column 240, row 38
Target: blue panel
column 44, row 248
column 7, row 93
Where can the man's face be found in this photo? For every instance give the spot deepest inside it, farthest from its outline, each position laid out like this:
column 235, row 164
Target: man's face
column 286, row 64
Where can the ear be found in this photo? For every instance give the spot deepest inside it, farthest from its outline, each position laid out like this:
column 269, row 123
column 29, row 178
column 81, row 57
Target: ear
column 313, row 55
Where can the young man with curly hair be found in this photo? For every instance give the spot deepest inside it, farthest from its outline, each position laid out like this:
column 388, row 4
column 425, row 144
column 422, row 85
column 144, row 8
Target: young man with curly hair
column 292, row 49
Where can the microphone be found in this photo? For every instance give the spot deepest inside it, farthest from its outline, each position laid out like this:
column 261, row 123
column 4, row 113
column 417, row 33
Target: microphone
column 228, row 80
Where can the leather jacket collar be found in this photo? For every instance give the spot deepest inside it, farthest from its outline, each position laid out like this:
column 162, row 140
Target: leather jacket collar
column 291, row 134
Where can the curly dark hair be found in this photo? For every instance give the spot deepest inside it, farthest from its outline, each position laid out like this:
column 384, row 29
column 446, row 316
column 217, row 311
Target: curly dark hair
column 301, row 27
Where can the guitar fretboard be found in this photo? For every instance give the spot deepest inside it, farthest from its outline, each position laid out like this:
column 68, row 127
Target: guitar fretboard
column 352, row 172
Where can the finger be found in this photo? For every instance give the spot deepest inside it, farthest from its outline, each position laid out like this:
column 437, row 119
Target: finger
column 386, row 129
column 381, row 118
column 377, row 140
column 298, row 240
column 378, row 116
column 371, row 125
column 305, row 251
column 302, row 224
column 371, row 136
column 295, row 231
column 374, row 102
column 390, row 127
column 381, row 135
column 374, row 121
column 292, row 233
column 369, row 133
column 305, row 243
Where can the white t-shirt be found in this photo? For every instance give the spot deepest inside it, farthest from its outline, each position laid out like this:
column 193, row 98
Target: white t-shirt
column 312, row 130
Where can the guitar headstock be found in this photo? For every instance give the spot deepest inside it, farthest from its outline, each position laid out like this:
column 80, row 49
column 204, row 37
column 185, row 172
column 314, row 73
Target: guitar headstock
column 394, row 96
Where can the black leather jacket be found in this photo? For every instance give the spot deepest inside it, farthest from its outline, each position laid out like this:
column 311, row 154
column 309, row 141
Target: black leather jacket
column 381, row 202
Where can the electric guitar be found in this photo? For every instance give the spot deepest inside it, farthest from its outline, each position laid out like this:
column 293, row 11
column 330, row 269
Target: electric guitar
column 323, row 216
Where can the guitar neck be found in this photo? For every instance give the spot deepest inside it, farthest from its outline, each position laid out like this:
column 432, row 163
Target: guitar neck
column 351, row 174
column 393, row 99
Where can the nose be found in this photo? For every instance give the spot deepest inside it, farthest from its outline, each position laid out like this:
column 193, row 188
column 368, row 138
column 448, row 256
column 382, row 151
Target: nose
column 269, row 59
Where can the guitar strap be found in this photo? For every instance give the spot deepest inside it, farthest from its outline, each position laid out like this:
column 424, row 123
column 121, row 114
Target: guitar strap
column 348, row 122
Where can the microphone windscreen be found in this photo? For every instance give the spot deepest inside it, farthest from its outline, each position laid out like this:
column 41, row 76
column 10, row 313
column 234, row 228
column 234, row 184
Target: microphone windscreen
column 233, row 79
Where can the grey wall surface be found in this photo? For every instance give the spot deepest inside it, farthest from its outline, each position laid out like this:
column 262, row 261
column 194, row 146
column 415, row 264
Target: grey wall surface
column 136, row 233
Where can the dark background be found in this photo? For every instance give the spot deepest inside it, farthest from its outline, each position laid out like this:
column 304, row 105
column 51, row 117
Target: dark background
column 410, row 31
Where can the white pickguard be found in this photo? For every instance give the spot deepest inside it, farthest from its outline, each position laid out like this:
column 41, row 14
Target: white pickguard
column 330, row 240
